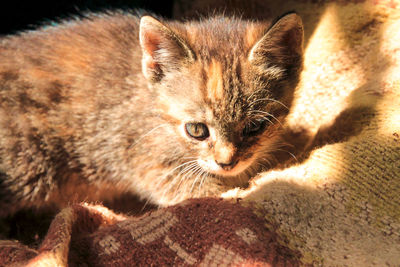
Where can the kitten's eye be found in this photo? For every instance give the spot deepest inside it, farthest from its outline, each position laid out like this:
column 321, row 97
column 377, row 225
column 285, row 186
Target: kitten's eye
column 254, row 127
column 198, row 131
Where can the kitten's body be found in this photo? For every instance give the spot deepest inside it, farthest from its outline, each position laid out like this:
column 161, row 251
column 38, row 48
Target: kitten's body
column 88, row 110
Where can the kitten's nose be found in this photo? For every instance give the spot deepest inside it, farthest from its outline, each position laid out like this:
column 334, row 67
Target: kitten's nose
column 227, row 165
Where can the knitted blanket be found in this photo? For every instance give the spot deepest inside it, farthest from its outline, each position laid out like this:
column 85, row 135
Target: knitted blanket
column 336, row 204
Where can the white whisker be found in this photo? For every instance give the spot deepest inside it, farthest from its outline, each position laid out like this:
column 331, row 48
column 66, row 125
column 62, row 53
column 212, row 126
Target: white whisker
column 192, row 171
column 267, row 161
column 291, row 154
column 146, row 134
column 195, row 180
column 269, row 99
column 171, row 171
column 268, row 115
column 204, row 177
column 263, row 167
column 255, row 92
column 178, row 177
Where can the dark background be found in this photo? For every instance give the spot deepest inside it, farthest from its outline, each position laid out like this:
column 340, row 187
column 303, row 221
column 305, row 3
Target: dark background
column 20, row 15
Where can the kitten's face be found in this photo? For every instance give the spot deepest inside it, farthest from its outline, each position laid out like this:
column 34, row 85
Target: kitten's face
column 228, row 128
column 225, row 86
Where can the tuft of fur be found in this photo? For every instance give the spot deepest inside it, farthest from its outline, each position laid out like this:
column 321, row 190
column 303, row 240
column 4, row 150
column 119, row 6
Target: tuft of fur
column 96, row 107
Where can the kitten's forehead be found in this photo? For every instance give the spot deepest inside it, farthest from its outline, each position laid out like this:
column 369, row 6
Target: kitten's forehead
column 224, row 92
column 221, row 46
column 214, row 76
column 221, row 36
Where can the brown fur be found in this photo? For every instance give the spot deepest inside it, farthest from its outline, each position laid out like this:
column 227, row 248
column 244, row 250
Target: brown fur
column 93, row 108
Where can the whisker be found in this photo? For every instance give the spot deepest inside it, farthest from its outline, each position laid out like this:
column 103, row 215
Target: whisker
column 263, row 167
column 252, row 170
column 146, row 134
column 270, row 115
column 267, row 161
column 171, row 171
column 204, row 177
column 254, row 93
column 192, row 171
column 270, row 99
column 282, row 143
column 162, row 179
column 195, row 180
column 145, row 205
column 186, row 169
column 291, row 154
column 264, row 117
column 177, row 177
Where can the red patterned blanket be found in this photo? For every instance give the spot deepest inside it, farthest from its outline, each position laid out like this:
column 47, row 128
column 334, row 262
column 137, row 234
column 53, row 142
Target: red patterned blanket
column 198, row 232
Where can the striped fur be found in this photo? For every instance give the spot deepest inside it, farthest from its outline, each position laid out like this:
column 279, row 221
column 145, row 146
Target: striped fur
column 95, row 107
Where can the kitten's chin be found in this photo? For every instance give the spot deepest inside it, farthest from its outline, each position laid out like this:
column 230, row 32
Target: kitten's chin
column 213, row 168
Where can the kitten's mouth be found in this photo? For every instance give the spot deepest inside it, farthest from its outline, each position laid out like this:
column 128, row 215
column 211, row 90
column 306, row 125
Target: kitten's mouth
column 236, row 170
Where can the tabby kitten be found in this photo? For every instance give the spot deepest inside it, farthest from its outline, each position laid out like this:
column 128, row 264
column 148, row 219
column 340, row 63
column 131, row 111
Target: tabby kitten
column 114, row 103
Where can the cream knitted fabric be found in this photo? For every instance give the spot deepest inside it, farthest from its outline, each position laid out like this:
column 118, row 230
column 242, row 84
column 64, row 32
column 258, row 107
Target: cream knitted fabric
column 340, row 204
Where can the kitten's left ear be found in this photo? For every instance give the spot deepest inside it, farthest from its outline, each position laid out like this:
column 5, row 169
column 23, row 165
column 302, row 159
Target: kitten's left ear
column 163, row 50
column 281, row 48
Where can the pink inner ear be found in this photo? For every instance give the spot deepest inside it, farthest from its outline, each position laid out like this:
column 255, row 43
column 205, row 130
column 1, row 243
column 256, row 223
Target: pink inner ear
column 151, row 64
column 150, row 43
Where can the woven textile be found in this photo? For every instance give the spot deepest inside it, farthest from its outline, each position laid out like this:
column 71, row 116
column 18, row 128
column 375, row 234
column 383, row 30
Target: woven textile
column 203, row 232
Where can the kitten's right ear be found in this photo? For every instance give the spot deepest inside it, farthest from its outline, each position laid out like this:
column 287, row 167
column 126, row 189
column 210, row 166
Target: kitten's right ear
column 280, row 50
column 163, row 50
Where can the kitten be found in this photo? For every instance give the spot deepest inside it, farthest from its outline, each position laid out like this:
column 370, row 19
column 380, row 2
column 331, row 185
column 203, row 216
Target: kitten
column 113, row 103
